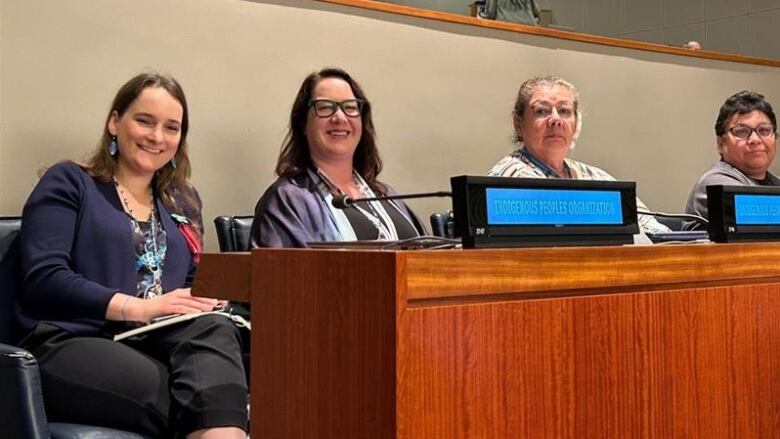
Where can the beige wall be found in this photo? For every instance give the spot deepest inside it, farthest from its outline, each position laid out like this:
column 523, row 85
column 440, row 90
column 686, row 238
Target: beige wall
column 732, row 26
column 442, row 93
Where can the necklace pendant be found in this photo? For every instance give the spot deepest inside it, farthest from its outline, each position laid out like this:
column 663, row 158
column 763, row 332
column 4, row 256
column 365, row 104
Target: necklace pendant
column 154, row 291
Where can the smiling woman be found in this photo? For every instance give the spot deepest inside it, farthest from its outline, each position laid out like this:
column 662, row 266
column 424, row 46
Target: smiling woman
column 330, row 149
column 147, row 134
column 108, row 245
column 334, row 129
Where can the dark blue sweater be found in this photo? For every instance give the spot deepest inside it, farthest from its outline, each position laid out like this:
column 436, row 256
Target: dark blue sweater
column 77, row 251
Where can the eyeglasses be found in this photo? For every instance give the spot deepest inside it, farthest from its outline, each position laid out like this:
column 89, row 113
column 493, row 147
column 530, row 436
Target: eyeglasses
column 544, row 111
column 744, row 131
column 327, row 108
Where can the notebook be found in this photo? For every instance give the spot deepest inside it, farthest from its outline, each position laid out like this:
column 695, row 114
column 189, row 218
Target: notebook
column 679, row 236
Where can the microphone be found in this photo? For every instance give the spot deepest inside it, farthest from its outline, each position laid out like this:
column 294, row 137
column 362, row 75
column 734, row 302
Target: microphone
column 343, row 201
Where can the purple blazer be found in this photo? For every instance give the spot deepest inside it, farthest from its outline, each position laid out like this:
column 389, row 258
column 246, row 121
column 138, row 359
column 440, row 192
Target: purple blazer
column 77, row 251
column 292, row 213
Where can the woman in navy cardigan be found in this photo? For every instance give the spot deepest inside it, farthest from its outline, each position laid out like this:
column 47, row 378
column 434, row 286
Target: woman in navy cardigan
column 110, row 244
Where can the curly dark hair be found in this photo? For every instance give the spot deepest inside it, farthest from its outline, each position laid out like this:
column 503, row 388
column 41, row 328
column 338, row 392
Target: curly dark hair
column 295, row 156
column 742, row 103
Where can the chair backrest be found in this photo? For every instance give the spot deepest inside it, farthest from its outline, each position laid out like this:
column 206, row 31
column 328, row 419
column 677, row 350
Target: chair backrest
column 22, row 409
column 674, row 224
column 233, row 232
column 442, row 224
column 9, row 278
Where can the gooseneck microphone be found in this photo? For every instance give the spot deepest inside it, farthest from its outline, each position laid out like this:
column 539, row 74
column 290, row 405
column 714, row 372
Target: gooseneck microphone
column 343, row 201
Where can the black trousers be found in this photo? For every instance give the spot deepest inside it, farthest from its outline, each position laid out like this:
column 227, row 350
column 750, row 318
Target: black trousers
column 166, row 383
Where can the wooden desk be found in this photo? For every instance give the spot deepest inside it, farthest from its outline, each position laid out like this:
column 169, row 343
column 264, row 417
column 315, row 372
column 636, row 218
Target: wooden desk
column 604, row 342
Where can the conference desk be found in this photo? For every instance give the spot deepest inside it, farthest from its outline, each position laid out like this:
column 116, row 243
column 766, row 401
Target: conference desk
column 606, row 342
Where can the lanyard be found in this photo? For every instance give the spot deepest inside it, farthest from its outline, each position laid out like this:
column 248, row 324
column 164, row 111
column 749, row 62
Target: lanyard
column 548, row 171
column 378, row 216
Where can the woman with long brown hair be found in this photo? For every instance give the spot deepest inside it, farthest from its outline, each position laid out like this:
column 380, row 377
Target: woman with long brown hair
column 330, row 150
column 110, row 244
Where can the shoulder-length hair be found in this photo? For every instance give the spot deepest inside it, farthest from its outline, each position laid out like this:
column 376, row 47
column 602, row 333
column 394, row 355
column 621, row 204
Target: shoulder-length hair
column 295, row 156
column 170, row 183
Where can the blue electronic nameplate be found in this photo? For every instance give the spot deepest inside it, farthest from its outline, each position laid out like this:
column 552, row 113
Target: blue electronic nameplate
column 553, row 207
column 756, row 209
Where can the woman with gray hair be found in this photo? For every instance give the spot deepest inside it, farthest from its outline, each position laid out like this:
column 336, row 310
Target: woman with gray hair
column 547, row 121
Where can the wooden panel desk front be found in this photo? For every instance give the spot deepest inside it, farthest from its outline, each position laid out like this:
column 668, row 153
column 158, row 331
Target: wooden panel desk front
column 604, row 342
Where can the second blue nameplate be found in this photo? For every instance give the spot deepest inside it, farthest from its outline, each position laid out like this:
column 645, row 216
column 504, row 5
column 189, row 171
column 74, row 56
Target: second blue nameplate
column 743, row 213
column 527, row 212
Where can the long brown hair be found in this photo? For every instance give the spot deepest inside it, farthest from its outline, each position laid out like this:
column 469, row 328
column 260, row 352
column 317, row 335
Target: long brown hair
column 171, row 183
column 295, row 156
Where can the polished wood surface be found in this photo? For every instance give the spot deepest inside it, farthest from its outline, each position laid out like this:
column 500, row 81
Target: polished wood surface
column 695, row 363
column 224, row 276
column 324, row 341
column 553, row 33
column 643, row 342
column 594, row 269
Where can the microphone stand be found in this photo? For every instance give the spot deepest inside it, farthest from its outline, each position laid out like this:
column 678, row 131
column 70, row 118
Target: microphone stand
column 344, row 201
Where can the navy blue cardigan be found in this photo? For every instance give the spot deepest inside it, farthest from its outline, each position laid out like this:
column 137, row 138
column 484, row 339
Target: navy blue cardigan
column 77, row 251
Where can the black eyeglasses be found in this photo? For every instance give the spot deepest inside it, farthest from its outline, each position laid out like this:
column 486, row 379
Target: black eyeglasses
column 744, row 132
column 327, row 108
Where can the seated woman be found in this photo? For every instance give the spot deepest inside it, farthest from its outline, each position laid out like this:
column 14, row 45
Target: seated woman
column 112, row 243
column 746, row 136
column 329, row 150
column 547, row 121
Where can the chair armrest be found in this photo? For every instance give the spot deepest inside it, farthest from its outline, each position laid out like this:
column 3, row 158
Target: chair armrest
column 21, row 401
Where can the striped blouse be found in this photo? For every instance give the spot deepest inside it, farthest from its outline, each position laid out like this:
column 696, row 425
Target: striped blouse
column 522, row 164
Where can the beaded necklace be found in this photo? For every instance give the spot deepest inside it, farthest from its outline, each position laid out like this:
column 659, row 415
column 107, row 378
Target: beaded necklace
column 378, row 217
column 151, row 261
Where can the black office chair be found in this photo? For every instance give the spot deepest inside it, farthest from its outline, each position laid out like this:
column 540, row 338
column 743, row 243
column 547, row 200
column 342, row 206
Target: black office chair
column 233, row 233
column 443, row 224
column 674, row 224
column 233, row 236
column 22, row 413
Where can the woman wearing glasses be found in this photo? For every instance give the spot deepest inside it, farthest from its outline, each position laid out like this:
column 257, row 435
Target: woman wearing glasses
column 547, row 121
column 329, row 150
column 746, row 134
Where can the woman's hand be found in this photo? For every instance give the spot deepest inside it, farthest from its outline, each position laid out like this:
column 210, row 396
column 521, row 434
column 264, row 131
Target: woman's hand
column 178, row 301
